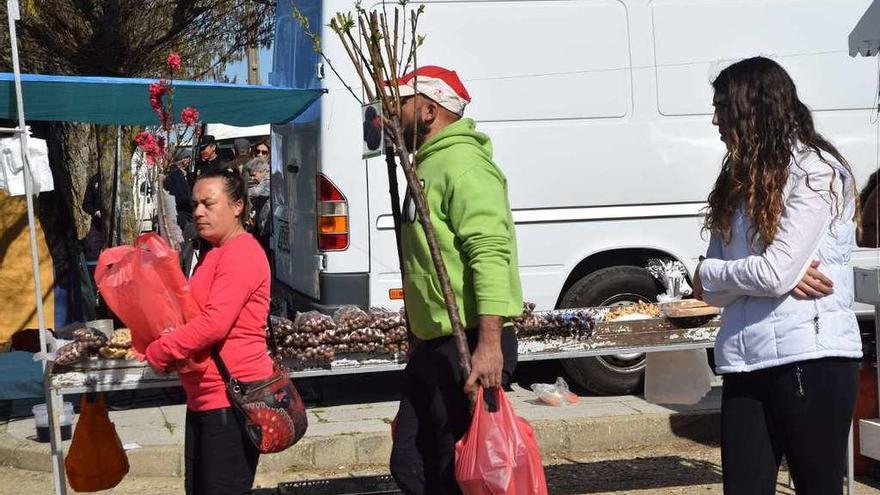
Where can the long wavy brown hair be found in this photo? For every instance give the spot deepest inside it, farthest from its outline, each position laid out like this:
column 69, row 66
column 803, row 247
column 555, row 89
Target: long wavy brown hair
column 761, row 121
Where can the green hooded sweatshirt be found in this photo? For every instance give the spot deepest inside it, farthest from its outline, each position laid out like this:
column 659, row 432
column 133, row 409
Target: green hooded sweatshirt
column 470, row 212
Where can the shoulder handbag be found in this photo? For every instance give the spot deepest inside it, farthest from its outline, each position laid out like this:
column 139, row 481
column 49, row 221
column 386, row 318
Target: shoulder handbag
column 271, row 409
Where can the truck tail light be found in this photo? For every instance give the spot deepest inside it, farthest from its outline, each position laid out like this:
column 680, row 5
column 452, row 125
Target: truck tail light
column 332, row 213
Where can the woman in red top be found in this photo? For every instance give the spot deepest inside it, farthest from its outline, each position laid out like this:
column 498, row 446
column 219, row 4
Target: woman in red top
column 231, row 286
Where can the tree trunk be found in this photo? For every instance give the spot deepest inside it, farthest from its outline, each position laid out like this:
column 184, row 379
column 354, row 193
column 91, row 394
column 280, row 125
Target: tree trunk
column 73, row 162
column 105, row 145
column 71, row 158
column 79, row 161
column 76, row 153
column 56, row 214
column 116, row 183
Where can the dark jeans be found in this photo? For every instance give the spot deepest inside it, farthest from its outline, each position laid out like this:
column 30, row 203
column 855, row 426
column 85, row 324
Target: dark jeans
column 434, row 414
column 220, row 458
column 803, row 411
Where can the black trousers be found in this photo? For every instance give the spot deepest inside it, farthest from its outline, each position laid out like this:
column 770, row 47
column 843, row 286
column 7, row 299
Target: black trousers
column 220, row 458
column 434, row 414
column 801, row 410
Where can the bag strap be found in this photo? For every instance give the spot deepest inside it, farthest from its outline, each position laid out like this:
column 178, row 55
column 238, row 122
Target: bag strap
column 272, row 340
column 221, row 366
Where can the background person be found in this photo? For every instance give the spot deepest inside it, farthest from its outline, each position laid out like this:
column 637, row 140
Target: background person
column 176, row 184
column 263, row 150
column 209, row 160
column 470, row 212
column 782, row 222
column 258, row 195
column 231, row 286
column 241, row 153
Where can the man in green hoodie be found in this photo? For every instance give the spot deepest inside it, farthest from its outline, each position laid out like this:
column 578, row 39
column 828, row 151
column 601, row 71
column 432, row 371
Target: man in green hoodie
column 470, row 212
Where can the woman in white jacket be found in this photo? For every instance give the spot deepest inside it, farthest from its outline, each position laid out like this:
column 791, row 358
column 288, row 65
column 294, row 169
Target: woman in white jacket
column 782, row 223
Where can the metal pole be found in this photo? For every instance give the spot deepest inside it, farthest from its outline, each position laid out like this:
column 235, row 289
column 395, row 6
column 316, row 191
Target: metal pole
column 877, row 340
column 850, row 464
column 57, row 453
column 114, row 236
column 12, row 9
column 54, row 404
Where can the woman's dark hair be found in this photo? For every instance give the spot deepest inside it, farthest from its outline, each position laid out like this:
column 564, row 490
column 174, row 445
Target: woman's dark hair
column 234, row 185
column 263, row 142
column 762, row 121
column 869, row 187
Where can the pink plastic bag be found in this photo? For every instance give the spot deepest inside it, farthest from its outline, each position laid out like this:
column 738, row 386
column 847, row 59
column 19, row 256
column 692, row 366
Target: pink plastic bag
column 499, row 454
column 145, row 287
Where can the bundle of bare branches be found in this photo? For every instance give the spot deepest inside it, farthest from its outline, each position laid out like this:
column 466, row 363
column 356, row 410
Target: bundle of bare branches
column 383, row 45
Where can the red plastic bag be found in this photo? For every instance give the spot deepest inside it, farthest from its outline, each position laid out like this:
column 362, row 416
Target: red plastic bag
column 145, row 287
column 499, row 454
column 96, row 460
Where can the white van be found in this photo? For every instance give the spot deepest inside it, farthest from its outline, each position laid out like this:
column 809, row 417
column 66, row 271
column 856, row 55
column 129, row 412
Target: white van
column 600, row 115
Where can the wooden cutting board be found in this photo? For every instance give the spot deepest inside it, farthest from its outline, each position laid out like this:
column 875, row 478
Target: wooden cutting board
column 689, row 308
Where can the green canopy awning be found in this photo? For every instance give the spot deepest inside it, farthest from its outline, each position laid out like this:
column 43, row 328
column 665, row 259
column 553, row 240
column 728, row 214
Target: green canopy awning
column 121, row 101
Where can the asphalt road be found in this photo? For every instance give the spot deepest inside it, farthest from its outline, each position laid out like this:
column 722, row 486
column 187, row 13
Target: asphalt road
column 695, row 470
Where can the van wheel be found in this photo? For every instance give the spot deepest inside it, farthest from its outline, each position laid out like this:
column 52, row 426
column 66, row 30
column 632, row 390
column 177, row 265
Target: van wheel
column 618, row 374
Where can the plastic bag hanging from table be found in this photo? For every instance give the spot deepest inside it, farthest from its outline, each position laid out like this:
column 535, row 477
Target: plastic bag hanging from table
column 499, row 454
column 144, row 286
column 96, row 460
column 677, row 377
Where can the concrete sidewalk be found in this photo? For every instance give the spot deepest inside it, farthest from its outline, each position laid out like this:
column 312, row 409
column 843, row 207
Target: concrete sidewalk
column 359, row 434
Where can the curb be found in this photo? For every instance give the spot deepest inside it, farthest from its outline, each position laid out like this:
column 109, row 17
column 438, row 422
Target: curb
column 559, row 436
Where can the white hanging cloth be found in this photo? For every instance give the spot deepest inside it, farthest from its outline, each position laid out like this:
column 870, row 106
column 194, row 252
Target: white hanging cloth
column 12, row 168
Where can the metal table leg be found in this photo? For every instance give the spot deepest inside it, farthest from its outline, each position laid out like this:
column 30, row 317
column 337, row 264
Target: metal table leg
column 850, row 464
column 54, row 407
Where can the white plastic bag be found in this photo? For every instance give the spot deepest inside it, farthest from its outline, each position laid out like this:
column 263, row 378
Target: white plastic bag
column 677, row 377
column 673, row 276
column 557, row 394
column 12, row 168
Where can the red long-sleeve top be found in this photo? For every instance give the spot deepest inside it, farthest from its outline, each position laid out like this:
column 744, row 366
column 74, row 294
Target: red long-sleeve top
column 231, row 287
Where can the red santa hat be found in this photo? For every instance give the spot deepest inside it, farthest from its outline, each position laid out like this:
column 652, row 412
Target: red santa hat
column 440, row 85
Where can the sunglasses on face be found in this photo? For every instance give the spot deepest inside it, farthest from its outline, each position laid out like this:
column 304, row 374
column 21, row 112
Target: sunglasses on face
column 262, row 152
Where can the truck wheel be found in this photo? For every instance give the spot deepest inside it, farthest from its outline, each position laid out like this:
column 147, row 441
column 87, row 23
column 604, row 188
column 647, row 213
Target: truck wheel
column 618, row 374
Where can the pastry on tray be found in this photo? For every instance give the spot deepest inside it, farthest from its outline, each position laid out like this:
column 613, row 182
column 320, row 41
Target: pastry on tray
column 121, row 339
column 688, row 308
column 112, row 352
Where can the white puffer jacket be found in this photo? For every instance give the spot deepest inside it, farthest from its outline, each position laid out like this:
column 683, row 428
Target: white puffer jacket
column 762, row 324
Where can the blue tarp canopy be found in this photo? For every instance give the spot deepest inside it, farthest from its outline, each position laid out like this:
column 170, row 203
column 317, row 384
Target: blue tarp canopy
column 122, row 101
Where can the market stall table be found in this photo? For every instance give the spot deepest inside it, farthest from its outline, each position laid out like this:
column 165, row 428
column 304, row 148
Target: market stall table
column 650, row 335
column 653, row 335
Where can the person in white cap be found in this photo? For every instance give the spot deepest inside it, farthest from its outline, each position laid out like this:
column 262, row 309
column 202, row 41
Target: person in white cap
column 470, row 213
